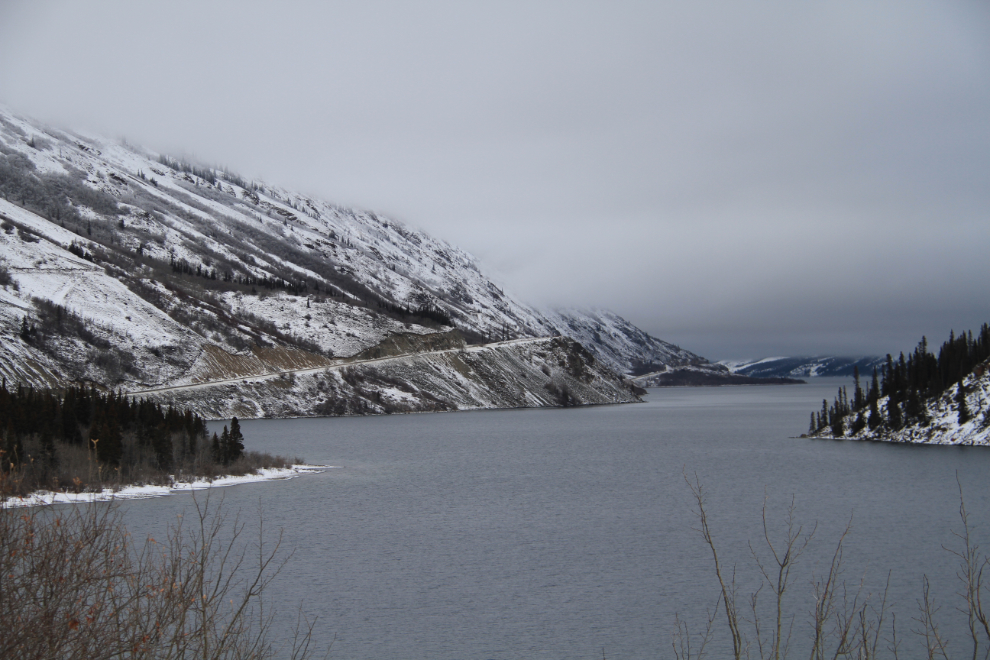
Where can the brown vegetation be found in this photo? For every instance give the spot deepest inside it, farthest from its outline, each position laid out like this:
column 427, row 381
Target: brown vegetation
column 75, row 584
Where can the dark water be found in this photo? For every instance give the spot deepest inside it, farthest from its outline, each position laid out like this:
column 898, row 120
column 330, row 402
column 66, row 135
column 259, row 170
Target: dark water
column 559, row 533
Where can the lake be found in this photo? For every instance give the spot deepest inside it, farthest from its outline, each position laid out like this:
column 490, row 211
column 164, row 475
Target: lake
column 568, row 533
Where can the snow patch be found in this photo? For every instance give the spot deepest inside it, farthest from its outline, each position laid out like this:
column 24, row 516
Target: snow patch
column 145, row 491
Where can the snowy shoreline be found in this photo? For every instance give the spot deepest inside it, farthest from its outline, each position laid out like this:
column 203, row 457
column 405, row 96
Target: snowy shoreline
column 135, row 492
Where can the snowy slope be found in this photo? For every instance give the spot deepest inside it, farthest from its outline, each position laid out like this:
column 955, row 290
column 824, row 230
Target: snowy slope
column 617, row 342
column 131, row 270
column 117, row 321
column 943, row 426
column 521, row 373
column 263, row 230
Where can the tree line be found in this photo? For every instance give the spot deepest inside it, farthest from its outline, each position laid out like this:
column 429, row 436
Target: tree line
column 427, row 311
column 81, row 438
column 909, row 382
column 183, row 267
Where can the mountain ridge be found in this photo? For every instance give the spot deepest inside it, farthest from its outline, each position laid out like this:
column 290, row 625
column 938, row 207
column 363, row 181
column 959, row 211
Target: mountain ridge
column 123, row 266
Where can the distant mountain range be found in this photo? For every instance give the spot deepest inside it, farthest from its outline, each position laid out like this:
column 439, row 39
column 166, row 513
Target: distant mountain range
column 803, row 366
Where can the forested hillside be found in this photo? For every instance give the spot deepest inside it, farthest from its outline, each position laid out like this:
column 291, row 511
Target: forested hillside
column 921, row 397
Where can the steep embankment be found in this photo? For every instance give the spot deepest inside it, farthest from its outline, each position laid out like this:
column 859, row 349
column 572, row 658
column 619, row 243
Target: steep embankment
column 520, row 373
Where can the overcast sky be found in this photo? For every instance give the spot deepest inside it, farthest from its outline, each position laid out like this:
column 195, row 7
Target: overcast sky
column 741, row 178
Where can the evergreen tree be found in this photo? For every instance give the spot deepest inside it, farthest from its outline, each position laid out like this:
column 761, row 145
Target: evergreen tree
column 225, row 447
column 961, row 402
column 215, row 448
column 838, row 429
column 859, row 423
column 236, row 441
column 913, row 407
column 894, row 415
column 874, row 421
column 888, row 376
column 857, row 390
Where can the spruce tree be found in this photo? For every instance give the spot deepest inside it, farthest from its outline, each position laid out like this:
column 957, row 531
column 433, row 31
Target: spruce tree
column 236, row 441
column 859, row 423
column 874, row 419
column 857, row 390
column 894, row 415
column 838, row 429
column 961, row 401
column 912, row 405
column 225, row 447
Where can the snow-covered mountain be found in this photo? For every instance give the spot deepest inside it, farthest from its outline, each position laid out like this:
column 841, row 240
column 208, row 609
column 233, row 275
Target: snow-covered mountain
column 803, row 366
column 135, row 270
column 617, row 342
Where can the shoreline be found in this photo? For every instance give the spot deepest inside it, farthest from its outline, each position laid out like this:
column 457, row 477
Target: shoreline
column 141, row 492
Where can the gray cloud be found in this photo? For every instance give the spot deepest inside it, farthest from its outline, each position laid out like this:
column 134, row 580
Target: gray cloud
column 741, row 179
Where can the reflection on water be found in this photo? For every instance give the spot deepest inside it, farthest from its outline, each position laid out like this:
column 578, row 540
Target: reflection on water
column 557, row 533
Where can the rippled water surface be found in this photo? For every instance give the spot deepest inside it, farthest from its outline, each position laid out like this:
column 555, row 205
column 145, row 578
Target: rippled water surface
column 560, row 533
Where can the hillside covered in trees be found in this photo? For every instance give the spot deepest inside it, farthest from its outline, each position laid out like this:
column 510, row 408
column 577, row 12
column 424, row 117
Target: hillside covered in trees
column 921, row 397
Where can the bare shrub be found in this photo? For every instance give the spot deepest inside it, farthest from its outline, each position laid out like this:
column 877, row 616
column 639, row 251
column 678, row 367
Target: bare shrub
column 845, row 622
column 75, row 584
